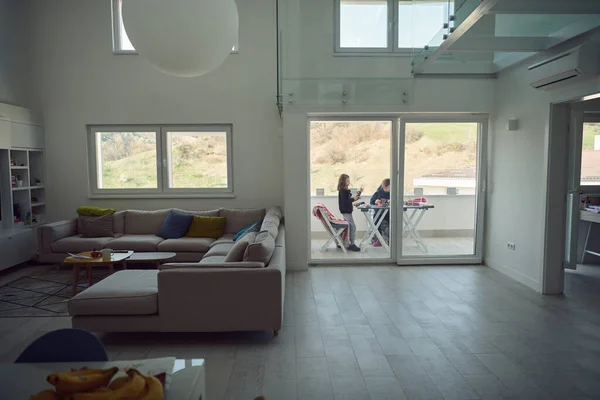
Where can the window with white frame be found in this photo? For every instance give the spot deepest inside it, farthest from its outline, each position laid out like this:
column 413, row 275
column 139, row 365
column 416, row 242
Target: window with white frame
column 178, row 159
column 121, row 42
column 388, row 26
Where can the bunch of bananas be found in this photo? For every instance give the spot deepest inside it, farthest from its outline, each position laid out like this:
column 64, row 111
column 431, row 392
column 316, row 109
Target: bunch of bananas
column 95, row 384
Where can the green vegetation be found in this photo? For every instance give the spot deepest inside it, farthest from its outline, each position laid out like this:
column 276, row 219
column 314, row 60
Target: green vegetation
column 362, row 150
column 590, row 130
column 197, row 160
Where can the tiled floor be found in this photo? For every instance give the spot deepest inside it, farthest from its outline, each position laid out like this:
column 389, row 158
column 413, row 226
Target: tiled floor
column 436, row 246
column 391, row 333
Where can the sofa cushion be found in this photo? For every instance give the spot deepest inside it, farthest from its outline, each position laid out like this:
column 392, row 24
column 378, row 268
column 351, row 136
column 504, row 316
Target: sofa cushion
column 175, row 225
column 212, row 260
column 144, row 222
column 135, row 242
column 275, row 211
column 239, row 248
column 238, row 218
column 280, row 239
column 226, row 238
column 215, row 262
column 186, row 244
column 129, row 292
column 206, row 226
column 262, row 249
column 119, row 222
column 219, row 250
column 77, row 244
column 94, row 211
column 271, row 225
column 206, row 213
column 93, row 227
column 254, row 227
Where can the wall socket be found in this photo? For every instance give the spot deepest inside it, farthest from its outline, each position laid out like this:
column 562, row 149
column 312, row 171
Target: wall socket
column 511, row 246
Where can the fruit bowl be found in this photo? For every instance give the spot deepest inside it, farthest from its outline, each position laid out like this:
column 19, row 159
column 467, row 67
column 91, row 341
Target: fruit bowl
column 98, row 384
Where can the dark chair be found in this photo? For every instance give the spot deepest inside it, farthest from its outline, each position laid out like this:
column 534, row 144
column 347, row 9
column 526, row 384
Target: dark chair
column 64, row 345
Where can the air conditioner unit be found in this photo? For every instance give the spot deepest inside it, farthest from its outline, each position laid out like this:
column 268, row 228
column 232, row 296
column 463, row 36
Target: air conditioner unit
column 582, row 61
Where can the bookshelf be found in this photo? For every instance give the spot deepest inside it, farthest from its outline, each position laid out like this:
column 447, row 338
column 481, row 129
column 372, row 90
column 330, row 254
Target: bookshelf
column 27, row 192
column 22, row 183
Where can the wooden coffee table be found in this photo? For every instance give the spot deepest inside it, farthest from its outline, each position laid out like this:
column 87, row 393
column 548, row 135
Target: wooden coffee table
column 93, row 262
column 156, row 258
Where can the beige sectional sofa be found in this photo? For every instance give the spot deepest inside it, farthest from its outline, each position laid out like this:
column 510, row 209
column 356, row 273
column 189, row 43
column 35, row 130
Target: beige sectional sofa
column 136, row 230
column 211, row 295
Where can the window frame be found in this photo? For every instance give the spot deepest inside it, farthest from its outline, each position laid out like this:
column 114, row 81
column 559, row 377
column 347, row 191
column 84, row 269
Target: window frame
column 162, row 163
column 392, row 48
column 116, row 32
column 166, row 152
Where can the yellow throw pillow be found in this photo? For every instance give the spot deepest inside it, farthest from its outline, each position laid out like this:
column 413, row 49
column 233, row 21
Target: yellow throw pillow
column 94, row 211
column 211, row 227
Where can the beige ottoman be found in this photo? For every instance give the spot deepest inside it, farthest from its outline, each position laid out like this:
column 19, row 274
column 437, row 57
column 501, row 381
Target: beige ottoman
column 126, row 300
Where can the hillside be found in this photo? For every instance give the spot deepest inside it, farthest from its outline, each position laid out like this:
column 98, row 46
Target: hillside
column 589, row 131
column 129, row 160
column 363, row 151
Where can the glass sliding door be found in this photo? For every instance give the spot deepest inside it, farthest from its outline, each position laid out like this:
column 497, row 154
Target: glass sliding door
column 583, row 190
column 441, row 180
column 360, row 149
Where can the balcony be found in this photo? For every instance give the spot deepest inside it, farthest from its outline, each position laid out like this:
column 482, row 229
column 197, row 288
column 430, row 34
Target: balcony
column 446, row 230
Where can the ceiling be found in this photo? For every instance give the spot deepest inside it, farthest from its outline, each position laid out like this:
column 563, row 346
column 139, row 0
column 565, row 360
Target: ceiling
column 486, row 36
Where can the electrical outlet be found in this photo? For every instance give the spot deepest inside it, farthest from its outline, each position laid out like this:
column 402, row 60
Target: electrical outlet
column 511, row 246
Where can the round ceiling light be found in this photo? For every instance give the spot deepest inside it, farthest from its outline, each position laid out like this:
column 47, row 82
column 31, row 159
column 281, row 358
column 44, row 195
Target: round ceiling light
column 184, row 38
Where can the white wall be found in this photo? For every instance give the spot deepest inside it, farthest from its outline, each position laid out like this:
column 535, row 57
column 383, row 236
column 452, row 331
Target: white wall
column 517, row 197
column 79, row 81
column 14, row 61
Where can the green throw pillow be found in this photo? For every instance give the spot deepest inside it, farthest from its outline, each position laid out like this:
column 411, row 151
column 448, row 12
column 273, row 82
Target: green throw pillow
column 211, row 227
column 94, row 211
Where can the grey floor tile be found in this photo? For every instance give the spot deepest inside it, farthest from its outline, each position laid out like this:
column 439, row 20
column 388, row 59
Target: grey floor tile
column 277, row 388
column 385, row 388
column 413, row 379
column 467, row 364
column 372, row 332
column 390, row 339
column 489, row 387
column 512, row 376
column 349, row 389
column 315, row 388
column 449, row 382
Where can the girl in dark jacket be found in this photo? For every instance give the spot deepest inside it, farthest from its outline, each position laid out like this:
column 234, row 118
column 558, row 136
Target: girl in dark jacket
column 345, row 200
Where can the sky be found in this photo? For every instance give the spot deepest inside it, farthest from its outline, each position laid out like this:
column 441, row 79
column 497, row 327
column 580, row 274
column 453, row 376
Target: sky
column 365, row 25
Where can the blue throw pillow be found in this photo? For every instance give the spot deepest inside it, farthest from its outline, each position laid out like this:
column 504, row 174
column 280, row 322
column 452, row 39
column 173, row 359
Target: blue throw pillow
column 175, row 226
column 250, row 228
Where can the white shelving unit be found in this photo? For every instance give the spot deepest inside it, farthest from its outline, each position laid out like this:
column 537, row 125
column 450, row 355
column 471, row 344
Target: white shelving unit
column 22, row 179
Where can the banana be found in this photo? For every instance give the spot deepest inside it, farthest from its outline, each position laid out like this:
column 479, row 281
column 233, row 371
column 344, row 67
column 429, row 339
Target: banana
column 81, row 381
column 118, row 383
column 154, row 389
column 45, row 395
column 130, row 390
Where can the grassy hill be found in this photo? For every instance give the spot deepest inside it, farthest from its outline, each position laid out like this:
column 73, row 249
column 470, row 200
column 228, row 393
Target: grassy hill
column 589, row 131
column 362, row 150
column 129, row 161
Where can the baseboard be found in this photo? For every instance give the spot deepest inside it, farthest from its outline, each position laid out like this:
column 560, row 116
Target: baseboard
column 514, row 274
column 296, row 266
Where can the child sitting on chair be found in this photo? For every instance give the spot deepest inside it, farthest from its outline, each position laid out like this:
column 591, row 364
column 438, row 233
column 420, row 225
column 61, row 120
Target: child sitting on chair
column 345, row 200
column 382, row 196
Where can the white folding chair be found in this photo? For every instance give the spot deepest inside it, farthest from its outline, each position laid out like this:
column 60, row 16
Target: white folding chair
column 335, row 232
